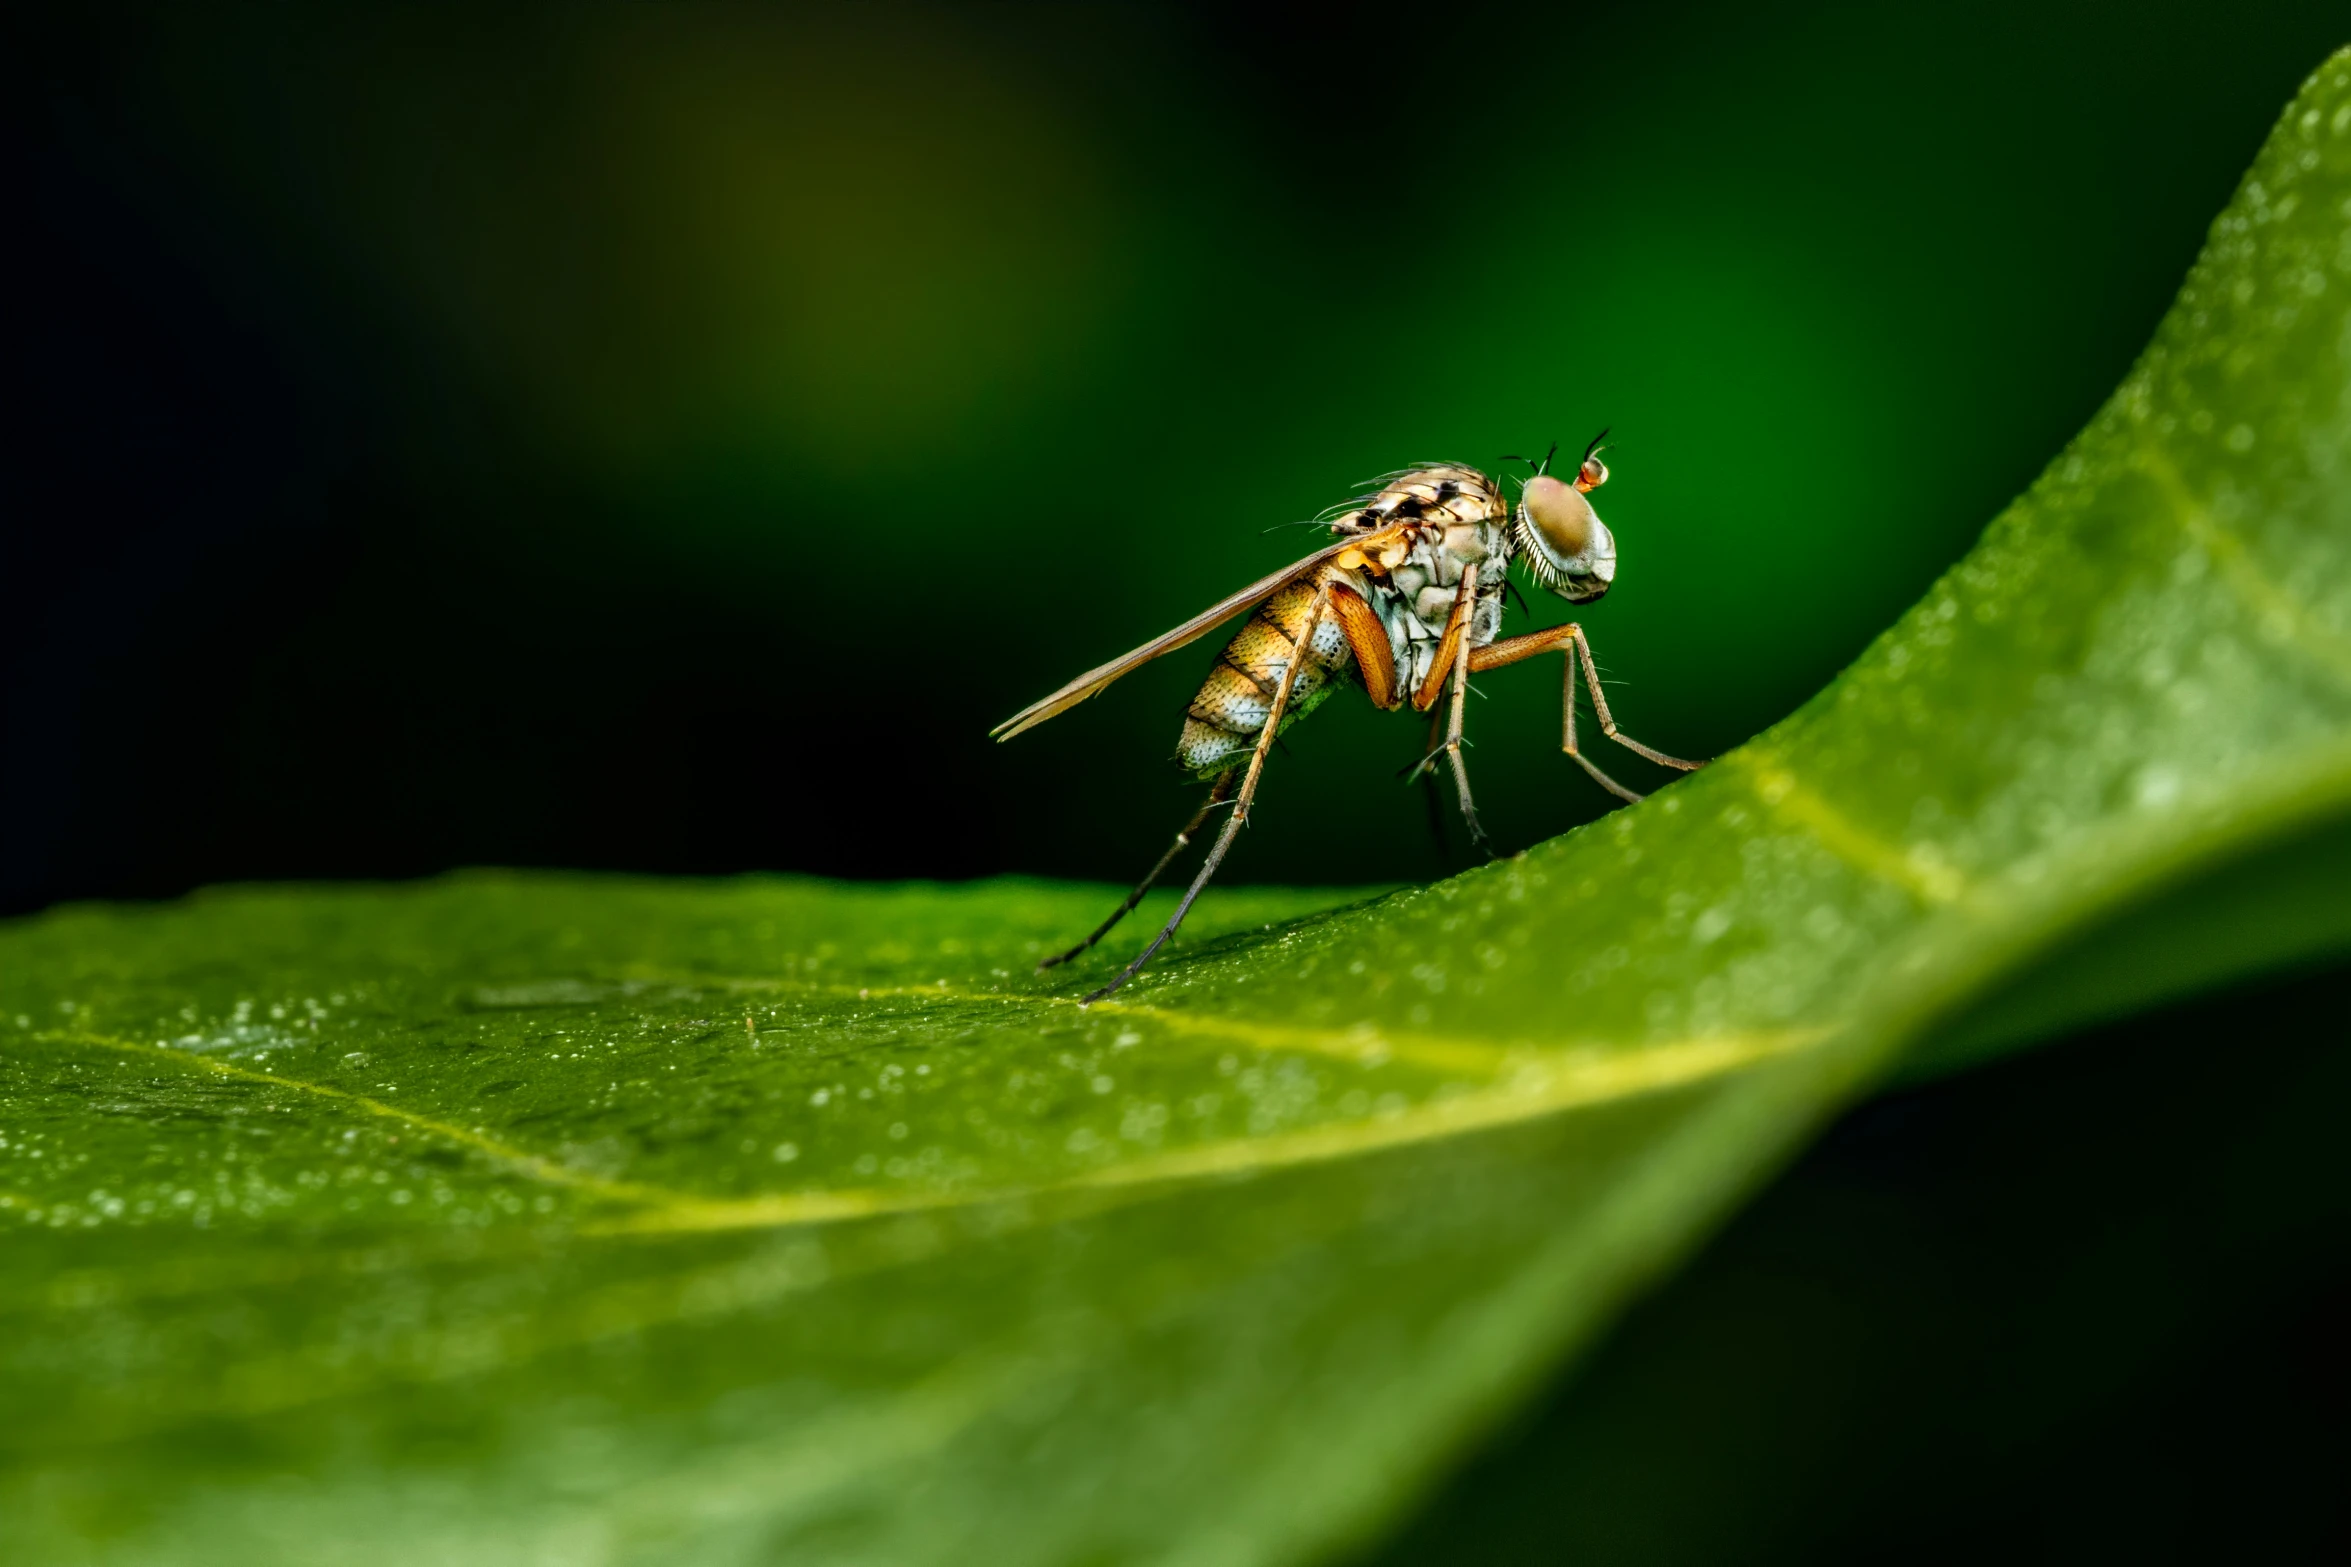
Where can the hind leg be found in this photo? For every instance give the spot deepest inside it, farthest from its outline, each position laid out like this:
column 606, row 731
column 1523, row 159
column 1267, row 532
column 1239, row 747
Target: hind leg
column 1217, row 796
column 1246, row 796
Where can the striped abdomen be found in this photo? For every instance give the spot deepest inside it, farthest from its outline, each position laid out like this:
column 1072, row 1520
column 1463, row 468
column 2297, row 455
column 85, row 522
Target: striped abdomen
column 1225, row 719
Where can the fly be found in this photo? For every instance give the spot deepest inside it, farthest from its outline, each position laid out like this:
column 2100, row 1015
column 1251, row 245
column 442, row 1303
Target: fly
column 1408, row 601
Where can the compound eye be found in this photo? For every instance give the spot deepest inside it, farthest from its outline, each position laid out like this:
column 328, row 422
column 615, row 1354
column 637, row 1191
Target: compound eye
column 1561, row 514
column 1592, row 475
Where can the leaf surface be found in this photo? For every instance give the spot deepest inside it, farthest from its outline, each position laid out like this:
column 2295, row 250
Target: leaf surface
column 514, row 1218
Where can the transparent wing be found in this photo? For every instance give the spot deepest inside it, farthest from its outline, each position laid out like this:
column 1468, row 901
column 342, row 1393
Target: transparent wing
column 1093, row 680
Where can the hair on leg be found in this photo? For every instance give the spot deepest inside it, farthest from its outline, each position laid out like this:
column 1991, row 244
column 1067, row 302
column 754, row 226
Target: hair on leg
column 1570, row 640
column 1608, row 724
column 1567, row 728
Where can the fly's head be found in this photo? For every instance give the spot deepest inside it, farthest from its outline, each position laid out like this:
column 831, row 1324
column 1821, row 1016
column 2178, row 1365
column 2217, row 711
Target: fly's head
column 1565, row 544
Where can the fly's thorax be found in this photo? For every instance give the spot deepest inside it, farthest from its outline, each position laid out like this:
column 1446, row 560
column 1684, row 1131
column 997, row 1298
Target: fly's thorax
column 1466, row 542
column 1441, row 494
column 1428, row 579
column 1453, row 517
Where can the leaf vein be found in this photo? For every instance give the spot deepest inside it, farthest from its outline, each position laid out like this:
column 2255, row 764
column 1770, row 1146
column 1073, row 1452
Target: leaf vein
column 1541, row 1092
column 538, row 1166
column 2266, row 598
column 1929, row 880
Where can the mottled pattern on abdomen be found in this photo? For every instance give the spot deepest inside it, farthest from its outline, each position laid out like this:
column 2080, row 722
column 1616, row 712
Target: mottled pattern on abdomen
column 1230, row 711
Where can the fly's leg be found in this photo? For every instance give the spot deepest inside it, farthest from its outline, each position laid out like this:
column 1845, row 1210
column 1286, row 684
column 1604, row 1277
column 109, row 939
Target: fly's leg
column 1367, row 639
column 1469, row 807
column 1451, row 650
column 1608, row 724
column 1569, row 639
column 1432, row 684
column 1300, row 649
column 1567, row 734
column 1217, row 796
column 1375, row 662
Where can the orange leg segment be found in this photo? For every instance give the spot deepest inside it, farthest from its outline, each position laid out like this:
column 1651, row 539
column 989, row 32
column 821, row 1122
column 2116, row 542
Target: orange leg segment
column 1375, row 656
column 1432, row 684
column 1569, row 639
column 1449, row 662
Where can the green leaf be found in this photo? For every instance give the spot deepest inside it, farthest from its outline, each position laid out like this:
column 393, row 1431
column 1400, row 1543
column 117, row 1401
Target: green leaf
column 2281, row 907
column 513, row 1218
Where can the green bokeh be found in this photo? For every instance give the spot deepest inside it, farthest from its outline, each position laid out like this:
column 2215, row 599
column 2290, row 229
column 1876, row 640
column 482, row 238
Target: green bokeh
column 971, row 346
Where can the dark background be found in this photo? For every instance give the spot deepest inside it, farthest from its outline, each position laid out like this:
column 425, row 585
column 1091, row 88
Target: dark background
column 667, row 439
column 2086, row 1305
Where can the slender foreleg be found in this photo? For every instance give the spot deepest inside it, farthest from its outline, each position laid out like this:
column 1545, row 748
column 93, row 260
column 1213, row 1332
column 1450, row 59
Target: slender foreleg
column 1217, row 796
column 1608, row 724
column 1570, row 641
column 1567, row 733
column 1300, row 650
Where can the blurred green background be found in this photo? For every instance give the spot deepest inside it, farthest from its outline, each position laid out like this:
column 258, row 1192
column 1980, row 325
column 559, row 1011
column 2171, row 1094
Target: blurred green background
column 669, row 437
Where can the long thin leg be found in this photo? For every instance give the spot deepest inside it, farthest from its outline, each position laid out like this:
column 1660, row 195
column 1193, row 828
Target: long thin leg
column 1456, row 634
column 1469, row 807
column 1567, row 734
column 1453, row 743
column 1425, row 770
column 1217, row 796
column 1300, row 650
column 1608, row 724
column 1570, row 640
column 1441, row 669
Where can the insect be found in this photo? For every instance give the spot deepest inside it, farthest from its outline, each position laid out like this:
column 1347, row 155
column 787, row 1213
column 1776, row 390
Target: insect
column 1408, row 602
